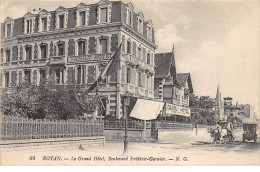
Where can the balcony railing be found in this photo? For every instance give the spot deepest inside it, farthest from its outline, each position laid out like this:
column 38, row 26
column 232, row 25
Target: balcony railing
column 142, row 91
column 58, row 59
column 130, row 88
column 137, row 62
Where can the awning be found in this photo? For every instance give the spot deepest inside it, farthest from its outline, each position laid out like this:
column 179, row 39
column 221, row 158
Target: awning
column 146, row 109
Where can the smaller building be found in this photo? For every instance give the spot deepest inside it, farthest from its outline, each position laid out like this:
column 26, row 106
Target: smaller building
column 247, row 112
column 229, row 109
column 170, row 87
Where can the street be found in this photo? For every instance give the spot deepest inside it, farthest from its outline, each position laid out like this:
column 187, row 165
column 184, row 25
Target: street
column 194, row 152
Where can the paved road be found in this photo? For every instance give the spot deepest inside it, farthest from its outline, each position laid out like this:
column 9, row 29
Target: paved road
column 139, row 153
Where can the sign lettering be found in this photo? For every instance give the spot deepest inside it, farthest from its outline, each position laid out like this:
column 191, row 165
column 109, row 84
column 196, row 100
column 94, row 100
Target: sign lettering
column 90, row 57
column 177, row 110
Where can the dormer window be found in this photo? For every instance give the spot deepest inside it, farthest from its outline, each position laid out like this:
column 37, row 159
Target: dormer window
column 103, row 16
column 149, row 30
column 9, row 23
column 104, row 11
column 140, row 22
column 44, row 20
column 44, row 24
column 8, row 32
column 29, row 26
column 61, row 18
column 82, row 18
column 61, row 21
column 129, row 14
column 82, row 14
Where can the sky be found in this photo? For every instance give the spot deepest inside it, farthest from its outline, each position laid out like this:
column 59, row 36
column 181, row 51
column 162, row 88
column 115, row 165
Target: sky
column 218, row 42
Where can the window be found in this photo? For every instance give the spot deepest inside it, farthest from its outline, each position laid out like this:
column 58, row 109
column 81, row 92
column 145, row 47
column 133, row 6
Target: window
column 103, row 46
column 61, row 49
column 44, row 24
column 103, row 17
column 27, row 75
column 59, row 76
column 42, row 74
column 81, row 48
column 7, row 56
column 140, row 26
column 81, row 75
column 7, row 79
column 130, row 18
column 8, row 33
column 61, row 21
column 128, row 51
column 128, row 75
column 148, row 82
column 43, row 51
column 139, row 79
column 82, row 18
column 28, row 51
column 148, row 58
column 139, row 52
column 29, row 26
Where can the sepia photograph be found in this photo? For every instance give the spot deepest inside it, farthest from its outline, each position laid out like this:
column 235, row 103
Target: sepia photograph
column 130, row 83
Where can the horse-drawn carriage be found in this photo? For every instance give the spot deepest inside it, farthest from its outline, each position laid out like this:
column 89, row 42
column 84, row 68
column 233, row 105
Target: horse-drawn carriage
column 222, row 132
column 249, row 131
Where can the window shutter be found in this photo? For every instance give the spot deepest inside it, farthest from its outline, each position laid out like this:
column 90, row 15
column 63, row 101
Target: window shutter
column 20, row 77
column 71, row 50
column 133, row 77
column 55, row 50
column 114, row 42
column 35, row 77
column 144, row 54
column 70, row 76
column 2, row 55
column 35, row 51
column 21, row 53
column 15, row 53
column 13, row 78
column 134, row 49
column 92, row 45
column 123, row 44
column 123, row 74
column 91, row 74
column 51, row 49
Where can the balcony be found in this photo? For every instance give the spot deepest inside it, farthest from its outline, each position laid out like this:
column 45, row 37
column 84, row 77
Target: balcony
column 149, row 67
column 142, row 91
column 130, row 59
column 58, row 60
column 149, row 93
column 130, row 88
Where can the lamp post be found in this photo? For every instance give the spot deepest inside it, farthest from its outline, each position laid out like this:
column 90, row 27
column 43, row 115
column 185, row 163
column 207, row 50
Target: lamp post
column 126, row 102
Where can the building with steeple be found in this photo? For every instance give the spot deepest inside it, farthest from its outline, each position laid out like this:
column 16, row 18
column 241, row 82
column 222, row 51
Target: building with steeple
column 219, row 106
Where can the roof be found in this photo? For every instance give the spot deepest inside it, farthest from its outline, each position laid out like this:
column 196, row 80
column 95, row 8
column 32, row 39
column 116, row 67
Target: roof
column 163, row 63
column 182, row 78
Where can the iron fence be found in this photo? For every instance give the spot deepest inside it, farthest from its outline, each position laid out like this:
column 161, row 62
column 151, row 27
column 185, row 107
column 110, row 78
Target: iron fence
column 17, row 128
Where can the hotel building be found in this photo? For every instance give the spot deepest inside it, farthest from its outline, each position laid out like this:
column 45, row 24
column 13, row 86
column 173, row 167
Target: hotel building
column 73, row 46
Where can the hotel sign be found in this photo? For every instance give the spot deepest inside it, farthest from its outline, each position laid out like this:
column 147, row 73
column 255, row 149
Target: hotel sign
column 172, row 109
column 89, row 57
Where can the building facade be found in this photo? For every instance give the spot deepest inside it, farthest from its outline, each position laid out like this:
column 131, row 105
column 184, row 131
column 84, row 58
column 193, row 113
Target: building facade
column 170, row 87
column 73, row 46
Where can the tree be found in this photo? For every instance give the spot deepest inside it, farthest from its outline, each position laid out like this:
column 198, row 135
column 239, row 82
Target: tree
column 48, row 100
